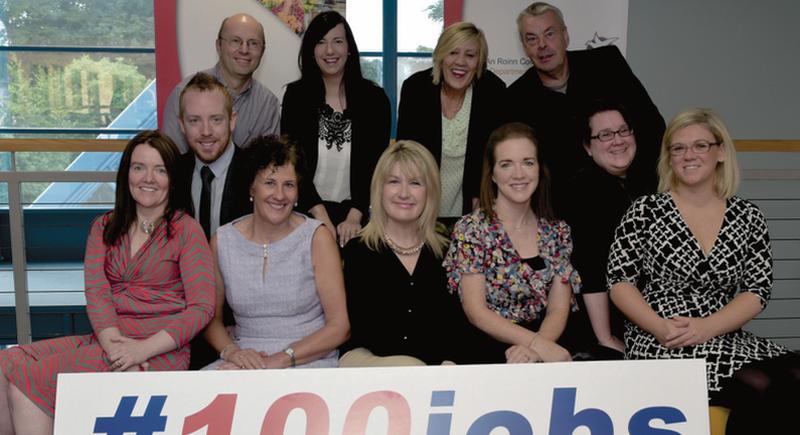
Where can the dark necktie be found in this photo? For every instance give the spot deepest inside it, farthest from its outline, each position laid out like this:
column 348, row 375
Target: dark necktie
column 207, row 175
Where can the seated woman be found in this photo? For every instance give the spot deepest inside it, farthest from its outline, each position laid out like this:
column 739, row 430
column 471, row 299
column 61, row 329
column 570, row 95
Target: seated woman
column 280, row 272
column 341, row 121
column 451, row 109
column 600, row 195
column 705, row 259
column 397, row 295
column 148, row 291
column 509, row 260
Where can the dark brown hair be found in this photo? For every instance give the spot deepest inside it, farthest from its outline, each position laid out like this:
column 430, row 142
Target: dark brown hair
column 540, row 201
column 124, row 213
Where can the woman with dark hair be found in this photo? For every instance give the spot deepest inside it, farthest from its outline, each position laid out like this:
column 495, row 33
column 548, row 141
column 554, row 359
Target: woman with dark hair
column 148, row 291
column 280, row 274
column 451, row 109
column 341, row 121
column 510, row 259
column 600, row 194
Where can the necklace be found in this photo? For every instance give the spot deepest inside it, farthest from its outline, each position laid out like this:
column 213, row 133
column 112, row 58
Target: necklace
column 147, row 226
column 399, row 250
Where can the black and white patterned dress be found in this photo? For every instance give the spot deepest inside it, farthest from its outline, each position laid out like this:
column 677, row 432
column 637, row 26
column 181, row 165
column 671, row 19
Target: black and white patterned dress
column 655, row 250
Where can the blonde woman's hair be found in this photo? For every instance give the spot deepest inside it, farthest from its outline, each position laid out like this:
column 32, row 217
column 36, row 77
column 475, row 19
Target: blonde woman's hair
column 453, row 36
column 417, row 162
column 726, row 174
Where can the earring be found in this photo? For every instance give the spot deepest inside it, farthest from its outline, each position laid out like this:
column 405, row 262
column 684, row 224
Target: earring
column 251, row 199
column 295, row 204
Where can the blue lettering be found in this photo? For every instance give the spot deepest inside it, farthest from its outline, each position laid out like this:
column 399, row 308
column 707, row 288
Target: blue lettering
column 439, row 424
column 564, row 420
column 640, row 422
column 513, row 422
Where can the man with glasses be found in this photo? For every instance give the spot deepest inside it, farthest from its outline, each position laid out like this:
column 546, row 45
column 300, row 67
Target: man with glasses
column 240, row 47
column 553, row 95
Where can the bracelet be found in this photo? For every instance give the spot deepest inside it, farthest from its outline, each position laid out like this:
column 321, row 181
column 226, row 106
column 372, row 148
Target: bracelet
column 533, row 340
column 225, row 349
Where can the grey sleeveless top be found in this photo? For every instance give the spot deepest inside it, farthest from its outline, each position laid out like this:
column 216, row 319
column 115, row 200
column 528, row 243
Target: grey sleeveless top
column 276, row 307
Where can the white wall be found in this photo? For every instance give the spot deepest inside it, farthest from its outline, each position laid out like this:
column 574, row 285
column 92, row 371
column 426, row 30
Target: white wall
column 198, row 24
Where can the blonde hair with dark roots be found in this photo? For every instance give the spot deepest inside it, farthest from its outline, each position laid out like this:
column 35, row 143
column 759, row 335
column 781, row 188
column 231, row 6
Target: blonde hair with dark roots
column 726, row 174
column 453, row 36
column 415, row 161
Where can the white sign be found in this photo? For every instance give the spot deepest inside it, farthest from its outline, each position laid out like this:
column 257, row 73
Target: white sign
column 598, row 398
column 590, row 25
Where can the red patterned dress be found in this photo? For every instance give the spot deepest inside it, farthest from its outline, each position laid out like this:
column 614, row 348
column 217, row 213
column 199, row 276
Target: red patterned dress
column 167, row 285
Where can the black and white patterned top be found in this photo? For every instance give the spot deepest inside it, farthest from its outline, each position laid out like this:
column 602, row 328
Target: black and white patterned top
column 655, row 250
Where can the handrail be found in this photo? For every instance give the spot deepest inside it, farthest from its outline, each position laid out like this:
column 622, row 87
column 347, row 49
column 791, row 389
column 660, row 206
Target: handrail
column 77, row 145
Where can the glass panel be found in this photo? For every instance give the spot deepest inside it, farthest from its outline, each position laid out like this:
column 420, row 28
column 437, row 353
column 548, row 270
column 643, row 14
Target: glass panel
column 8, row 318
column 122, row 23
column 57, row 222
column 372, row 69
column 69, row 195
column 78, row 90
column 409, row 65
column 366, row 20
column 419, row 23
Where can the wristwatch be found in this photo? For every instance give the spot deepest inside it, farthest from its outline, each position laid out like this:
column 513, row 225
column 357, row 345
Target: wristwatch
column 289, row 351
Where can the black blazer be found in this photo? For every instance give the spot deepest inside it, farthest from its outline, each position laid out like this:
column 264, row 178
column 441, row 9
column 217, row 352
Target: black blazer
column 600, row 73
column 235, row 203
column 419, row 118
column 369, row 112
column 235, row 194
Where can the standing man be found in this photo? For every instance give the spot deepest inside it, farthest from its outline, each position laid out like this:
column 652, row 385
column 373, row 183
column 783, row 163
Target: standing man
column 553, row 94
column 240, row 47
column 212, row 175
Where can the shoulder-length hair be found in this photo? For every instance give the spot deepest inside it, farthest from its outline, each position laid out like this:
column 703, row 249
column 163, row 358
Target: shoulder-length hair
column 453, row 36
column 540, row 201
column 417, row 162
column 726, row 174
column 310, row 73
column 124, row 213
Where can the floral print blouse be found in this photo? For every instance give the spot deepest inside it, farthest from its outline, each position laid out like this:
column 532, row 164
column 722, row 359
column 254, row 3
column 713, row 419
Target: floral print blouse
column 514, row 290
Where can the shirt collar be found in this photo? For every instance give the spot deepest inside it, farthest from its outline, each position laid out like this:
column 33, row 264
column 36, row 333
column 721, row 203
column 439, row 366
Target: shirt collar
column 221, row 164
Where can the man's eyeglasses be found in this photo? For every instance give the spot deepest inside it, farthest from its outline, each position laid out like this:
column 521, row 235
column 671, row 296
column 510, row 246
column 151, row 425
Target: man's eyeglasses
column 608, row 135
column 699, row 147
column 234, row 43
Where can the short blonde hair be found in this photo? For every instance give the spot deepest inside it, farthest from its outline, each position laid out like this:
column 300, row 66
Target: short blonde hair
column 453, row 36
column 416, row 161
column 539, row 8
column 726, row 174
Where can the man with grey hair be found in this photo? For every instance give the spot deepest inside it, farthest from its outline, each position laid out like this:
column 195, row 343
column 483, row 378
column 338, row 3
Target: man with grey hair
column 553, row 94
column 240, row 46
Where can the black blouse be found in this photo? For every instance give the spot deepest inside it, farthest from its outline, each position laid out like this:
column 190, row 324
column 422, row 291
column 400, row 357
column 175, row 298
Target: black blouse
column 393, row 312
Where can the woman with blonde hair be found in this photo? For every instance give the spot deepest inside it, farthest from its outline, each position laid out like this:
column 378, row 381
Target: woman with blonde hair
column 691, row 265
column 396, row 288
column 451, row 109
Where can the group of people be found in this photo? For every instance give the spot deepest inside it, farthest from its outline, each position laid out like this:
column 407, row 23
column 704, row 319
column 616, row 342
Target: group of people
column 274, row 252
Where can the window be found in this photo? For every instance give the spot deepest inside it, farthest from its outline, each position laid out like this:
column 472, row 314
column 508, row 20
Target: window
column 400, row 44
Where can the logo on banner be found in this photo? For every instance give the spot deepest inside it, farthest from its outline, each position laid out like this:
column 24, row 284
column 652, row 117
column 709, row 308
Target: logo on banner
column 296, row 14
column 217, row 417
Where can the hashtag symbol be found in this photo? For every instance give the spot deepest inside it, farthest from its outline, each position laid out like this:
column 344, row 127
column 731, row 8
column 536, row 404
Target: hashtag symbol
column 124, row 421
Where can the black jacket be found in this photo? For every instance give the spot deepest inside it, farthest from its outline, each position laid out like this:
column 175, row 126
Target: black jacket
column 600, row 73
column 419, row 118
column 369, row 112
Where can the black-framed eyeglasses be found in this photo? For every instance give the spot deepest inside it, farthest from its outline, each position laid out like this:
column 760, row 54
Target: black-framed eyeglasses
column 608, row 135
column 699, row 147
column 235, row 43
